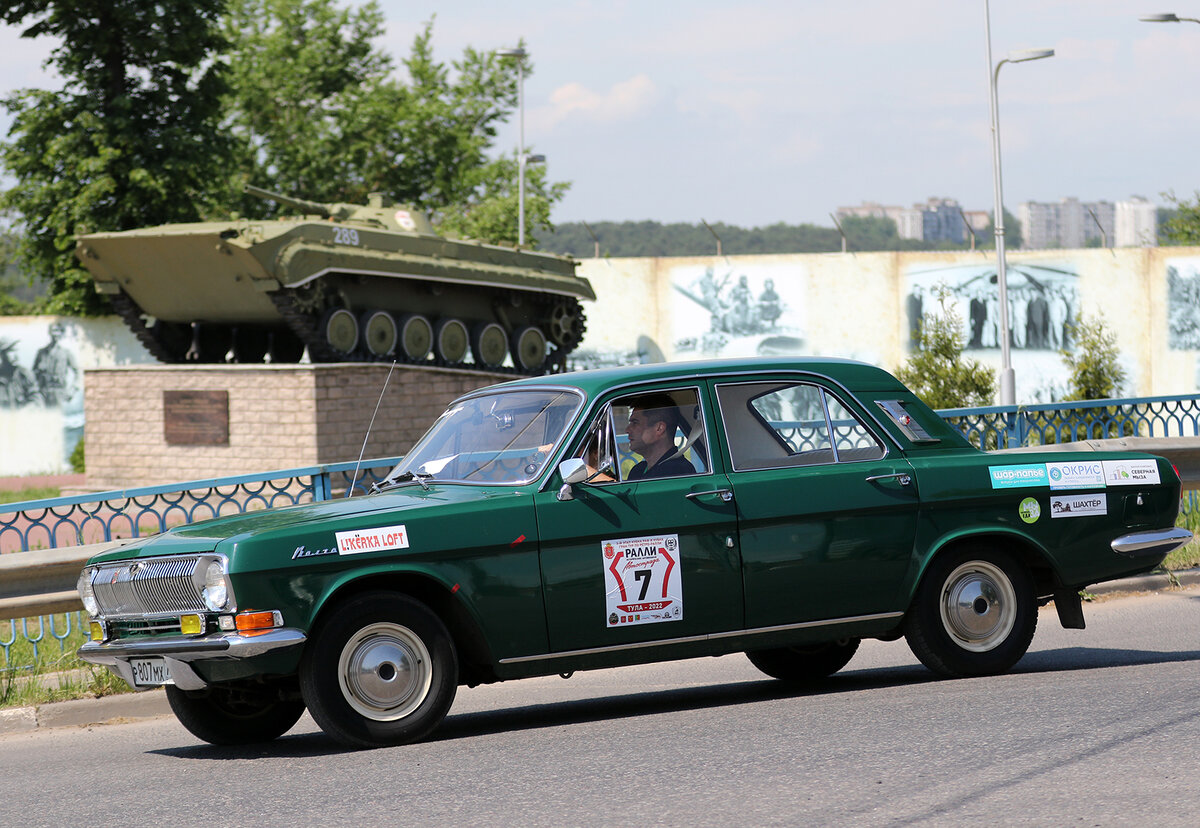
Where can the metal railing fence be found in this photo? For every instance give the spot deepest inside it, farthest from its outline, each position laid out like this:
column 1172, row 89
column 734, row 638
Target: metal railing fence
column 1013, row 426
column 104, row 516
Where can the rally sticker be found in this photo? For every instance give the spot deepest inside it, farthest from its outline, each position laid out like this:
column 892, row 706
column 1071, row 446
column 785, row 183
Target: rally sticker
column 372, row 540
column 1130, row 472
column 642, row 580
column 1029, row 510
column 1088, row 475
column 1014, row 477
column 1065, row 506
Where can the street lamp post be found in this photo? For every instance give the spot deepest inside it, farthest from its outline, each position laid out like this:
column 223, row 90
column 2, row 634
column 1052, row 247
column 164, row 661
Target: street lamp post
column 522, row 159
column 1008, row 393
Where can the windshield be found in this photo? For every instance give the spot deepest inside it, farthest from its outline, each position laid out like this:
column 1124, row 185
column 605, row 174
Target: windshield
column 506, row 438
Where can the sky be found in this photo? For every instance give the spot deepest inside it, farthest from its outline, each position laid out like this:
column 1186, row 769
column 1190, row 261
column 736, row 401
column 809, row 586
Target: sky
column 762, row 112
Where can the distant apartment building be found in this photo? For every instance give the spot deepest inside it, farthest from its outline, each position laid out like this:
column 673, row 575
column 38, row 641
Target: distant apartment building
column 1071, row 223
column 1136, row 223
column 938, row 219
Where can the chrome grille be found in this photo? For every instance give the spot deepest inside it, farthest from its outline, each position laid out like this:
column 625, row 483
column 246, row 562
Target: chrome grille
column 148, row 587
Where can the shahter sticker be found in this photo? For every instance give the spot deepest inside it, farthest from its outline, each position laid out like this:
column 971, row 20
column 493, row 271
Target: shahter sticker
column 642, row 580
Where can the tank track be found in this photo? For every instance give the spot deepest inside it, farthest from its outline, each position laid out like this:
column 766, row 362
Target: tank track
column 306, row 328
column 131, row 315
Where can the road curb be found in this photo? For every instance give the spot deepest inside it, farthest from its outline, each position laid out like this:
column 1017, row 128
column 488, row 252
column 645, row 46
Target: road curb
column 1155, row 582
column 123, row 707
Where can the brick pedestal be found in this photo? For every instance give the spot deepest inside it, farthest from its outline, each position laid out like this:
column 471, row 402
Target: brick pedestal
column 280, row 416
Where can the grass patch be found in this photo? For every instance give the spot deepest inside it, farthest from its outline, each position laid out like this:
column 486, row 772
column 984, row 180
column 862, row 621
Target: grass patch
column 28, row 493
column 1186, row 557
column 49, row 672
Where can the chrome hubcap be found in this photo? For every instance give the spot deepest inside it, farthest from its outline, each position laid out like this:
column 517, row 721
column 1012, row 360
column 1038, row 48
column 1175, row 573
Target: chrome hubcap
column 979, row 606
column 385, row 672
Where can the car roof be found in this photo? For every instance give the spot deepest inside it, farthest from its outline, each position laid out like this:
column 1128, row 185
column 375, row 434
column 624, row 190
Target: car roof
column 854, row 375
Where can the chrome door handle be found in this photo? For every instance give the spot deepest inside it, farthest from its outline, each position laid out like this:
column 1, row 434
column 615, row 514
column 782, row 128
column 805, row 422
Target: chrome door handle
column 903, row 478
column 726, row 494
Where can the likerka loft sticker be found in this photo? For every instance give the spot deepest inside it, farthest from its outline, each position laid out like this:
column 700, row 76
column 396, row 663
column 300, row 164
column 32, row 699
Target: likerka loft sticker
column 372, row 540
column 642, row 580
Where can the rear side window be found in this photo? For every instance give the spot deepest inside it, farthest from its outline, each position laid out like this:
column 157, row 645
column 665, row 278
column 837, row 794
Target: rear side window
column 778, row 424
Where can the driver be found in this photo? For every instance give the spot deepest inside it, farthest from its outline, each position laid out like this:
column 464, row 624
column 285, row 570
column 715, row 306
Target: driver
column 651, row 430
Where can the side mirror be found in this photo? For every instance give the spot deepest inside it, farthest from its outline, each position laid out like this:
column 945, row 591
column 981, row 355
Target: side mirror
column 572, row 471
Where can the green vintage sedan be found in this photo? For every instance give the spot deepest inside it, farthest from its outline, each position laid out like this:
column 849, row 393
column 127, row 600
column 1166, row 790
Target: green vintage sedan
column 784, row 508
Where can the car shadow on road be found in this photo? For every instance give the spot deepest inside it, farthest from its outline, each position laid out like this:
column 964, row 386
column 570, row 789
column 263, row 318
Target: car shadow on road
column 650, row 703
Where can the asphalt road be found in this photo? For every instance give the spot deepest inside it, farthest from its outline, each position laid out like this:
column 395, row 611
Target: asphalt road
column 1093, row 727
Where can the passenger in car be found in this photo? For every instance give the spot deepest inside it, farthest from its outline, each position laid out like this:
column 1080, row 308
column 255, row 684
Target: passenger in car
column 652, row 425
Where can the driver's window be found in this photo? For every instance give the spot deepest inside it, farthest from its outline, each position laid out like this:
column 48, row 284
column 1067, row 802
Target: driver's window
column 647, row 435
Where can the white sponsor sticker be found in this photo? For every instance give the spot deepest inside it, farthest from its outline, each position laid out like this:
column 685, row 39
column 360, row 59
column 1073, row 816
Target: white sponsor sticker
column 372, row 540
column 1065, row 506
column 1130, row 472
column 1076, row 475
column 642, row 580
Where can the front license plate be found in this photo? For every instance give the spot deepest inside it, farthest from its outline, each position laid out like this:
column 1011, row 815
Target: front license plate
column 150, row 672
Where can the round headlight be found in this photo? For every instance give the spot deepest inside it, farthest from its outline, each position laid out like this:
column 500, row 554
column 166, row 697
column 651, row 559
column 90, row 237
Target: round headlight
column 216, row 587
column 86, row 594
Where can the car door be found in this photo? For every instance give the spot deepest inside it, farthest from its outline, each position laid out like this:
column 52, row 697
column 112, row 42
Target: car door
column 826, row 505
column 627, row 561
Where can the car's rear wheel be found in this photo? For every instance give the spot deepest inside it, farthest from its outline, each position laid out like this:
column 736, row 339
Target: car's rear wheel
column 381, row 670
column 233, row 715
column 805, row 664
column 974, row 614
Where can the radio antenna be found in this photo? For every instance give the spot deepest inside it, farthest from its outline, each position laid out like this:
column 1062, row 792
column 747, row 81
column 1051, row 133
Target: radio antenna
column 370, row 425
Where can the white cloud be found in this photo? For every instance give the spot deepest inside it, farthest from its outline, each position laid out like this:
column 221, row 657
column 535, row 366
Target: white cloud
column 621, row 102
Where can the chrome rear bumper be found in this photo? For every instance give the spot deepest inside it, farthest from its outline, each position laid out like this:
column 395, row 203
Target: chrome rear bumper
column 1151, row 543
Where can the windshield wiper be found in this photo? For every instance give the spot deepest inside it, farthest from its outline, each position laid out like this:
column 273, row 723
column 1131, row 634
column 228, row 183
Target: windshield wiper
column 403, row 477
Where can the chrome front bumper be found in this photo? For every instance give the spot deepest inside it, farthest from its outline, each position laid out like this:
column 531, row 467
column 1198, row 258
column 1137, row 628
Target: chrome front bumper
column 178, row 651
column 1151, row 543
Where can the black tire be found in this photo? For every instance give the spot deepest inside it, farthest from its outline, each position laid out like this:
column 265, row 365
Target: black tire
column 234, row 716
column 805, row 664
column 974, row 614
column 380, row 670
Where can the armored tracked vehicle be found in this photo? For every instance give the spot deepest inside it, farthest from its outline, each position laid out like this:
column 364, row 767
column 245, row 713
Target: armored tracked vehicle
column 345, row 282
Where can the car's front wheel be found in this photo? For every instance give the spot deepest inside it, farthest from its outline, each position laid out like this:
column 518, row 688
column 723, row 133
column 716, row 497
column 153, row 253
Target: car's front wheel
column 381, row 670
column 974, row 614
column 805, row 664
column 234, row 715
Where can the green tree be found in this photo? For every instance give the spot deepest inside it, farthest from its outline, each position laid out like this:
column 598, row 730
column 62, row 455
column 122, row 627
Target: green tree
column 1183, row 225
column 1096, row 373
column 1013, row 238
column 937, row 372
column 130, row 140
column 318, row 112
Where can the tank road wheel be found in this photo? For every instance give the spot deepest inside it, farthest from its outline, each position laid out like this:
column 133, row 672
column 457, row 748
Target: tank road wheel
column 379, row 332
column 529, row 349
column 231, row 716
column 451, row 341
column 341, row 330
column 416, row 337
column 382, row 670
column 566, row 326
column 974, row 614
column 489, row 345
column 805, row 664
